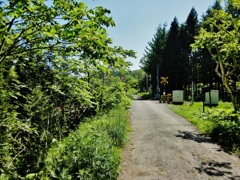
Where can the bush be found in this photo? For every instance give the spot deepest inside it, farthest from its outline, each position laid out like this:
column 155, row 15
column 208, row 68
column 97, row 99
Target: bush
column 220, row 123
column 145, row 95
column 225, row 127
column 109, row 97
column 85, row 154
column 91, row 152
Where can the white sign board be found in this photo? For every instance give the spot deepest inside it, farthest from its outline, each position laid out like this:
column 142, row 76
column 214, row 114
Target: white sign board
column 214, row 94
column 177, row 96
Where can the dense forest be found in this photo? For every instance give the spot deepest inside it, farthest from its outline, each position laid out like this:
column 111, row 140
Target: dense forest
column 197, row 54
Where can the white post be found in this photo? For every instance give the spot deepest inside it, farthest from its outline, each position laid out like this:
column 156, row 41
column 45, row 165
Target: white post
column 157, row 78
column 147, row 82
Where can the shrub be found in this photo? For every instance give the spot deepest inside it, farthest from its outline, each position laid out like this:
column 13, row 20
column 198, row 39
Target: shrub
column 145, row 95
column 91, row 152
column 220, row 123
column 225, row 127
column 85, row 154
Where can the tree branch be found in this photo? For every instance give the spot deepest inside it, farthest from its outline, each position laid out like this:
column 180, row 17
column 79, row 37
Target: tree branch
column 8, row 29
column 235, row 66
column 216, row 70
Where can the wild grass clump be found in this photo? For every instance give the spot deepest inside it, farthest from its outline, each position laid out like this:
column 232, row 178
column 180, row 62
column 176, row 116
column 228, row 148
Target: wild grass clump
column 91, row 152
column 220, row 123
column 145, row 95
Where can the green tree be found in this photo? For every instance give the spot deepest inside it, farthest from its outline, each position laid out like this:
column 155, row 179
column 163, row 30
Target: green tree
column 140, row 77
column 154, row 55
column 222, row 41
column 44, row 87
column 189, row 69
column 171, row 65
column 207, row 68
column 233, row 8
column 192, row 30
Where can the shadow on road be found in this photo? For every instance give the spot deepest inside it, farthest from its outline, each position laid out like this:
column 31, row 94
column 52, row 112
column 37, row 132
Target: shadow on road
column 213, row 168
column 210, row 167
column 200, row 138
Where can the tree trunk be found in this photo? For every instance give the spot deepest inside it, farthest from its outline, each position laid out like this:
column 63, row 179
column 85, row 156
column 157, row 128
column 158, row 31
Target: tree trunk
column 234, row 95
column 226, row 82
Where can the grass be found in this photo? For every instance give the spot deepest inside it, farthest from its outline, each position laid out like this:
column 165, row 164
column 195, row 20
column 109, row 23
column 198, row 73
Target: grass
column 192, row 113
column 220, row 123
column 92, row 151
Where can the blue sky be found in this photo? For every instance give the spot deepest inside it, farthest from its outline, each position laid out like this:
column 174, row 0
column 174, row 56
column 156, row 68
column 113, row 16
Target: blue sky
column 137, row 20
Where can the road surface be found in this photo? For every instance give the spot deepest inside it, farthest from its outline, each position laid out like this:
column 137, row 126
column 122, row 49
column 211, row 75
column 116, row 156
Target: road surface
column 164, row 146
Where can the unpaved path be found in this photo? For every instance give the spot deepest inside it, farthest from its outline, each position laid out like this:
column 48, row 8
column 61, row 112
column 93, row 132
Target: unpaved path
column 164, row 146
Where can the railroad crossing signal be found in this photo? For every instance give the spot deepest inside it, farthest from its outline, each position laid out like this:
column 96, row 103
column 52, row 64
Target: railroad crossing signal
column 164, row 80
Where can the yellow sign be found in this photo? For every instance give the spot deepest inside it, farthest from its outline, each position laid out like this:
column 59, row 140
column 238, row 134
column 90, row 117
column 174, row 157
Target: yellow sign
column 164, row 80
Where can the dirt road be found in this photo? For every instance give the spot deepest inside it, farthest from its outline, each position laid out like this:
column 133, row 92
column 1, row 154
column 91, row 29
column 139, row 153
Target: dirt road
column 164, row 146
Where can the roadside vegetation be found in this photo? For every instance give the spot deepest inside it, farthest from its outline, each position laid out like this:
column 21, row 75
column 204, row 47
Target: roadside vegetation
column 65, row 89
column 145, row 95
column 62, row 103
column 91, row 152
column 220, row 123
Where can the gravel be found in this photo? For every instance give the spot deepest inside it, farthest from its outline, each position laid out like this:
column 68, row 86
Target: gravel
column 163, row 145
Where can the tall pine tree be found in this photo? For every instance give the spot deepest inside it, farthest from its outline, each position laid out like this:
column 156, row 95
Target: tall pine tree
column 154, row 55
column 171, row 64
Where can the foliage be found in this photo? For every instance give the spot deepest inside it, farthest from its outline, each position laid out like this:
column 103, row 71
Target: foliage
column 170, row 49
column 112, row 93
column 225, row 127
column 134, row 81
column 52, row 56
column 220, row 123
column 91, row 152
column 145, row 95
column 154, row 55
column 222, row 41
column 139, row 75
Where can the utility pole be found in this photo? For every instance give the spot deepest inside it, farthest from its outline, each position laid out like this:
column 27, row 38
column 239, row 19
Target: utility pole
column 147, row 82
column 157, row 78
column 192, row 93
column 157, row 94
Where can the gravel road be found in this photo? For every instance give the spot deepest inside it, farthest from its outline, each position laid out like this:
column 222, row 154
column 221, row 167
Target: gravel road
column 164, row 146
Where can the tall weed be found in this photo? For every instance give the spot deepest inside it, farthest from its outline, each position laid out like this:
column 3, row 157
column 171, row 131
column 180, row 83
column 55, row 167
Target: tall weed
column 91, row 152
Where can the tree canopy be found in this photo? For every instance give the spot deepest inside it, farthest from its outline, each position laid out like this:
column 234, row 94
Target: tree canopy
column 214, row 53
column 170, row 49
column 222, row 41
column 55, row 64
